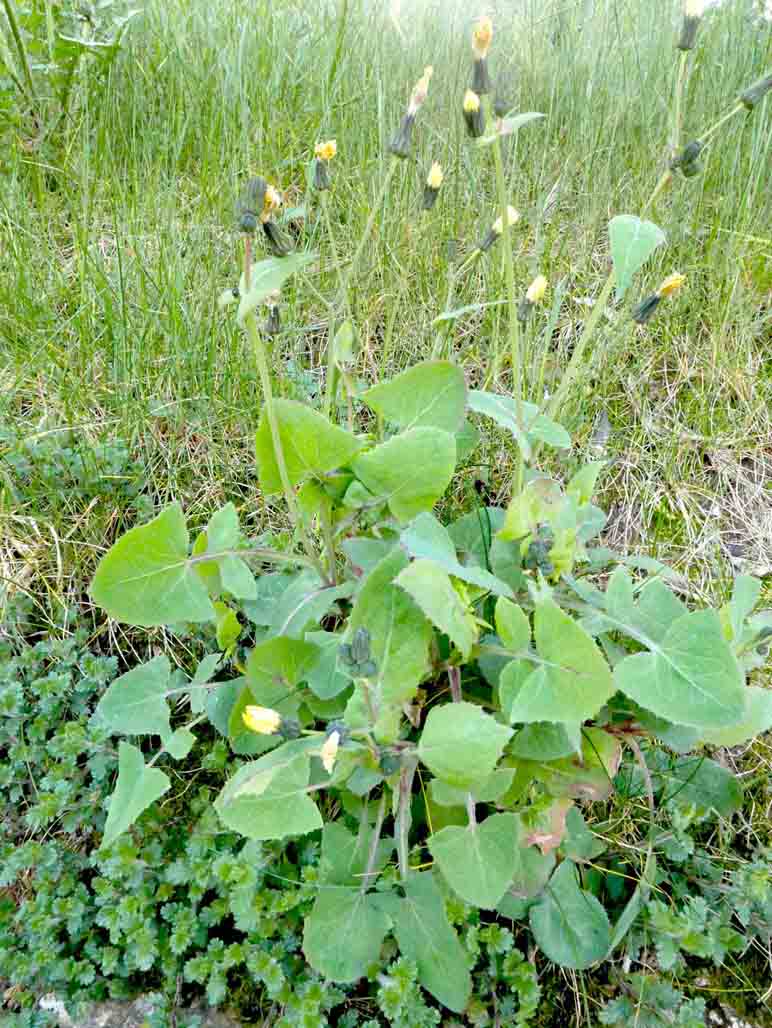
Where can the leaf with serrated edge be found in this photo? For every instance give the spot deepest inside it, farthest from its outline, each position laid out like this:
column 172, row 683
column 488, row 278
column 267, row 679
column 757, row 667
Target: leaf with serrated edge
column 461, row 744
column 137, row 787
column 342, row 935
column 135, row 703
column 478, row 861
column 432, row 393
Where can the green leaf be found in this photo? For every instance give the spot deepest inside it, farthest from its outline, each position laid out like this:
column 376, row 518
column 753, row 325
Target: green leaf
column 425, row 937
column 400, row 635
column 703, row 784
column 745, row 596
column 575, row 681
column 473, row 534
column 268, row 798
column 691, row 678
column 461, row 744
column 508, row 125
column 324, row 678
column 275, row 669
column 310, row 607
column 343, row 934
column 433, row 591
column 632, row 243
column 512, row 625
column 147, row 579
column 312, row 445
column 344, row 344
column 541, row 741
column 344, row 856
column 756, row 719
column 180, row 743
column 568, row 923
column 479, row 861
column 431, row 394
column 228, row 626
column 363, row 553
column 411, row 471
column 135, row 703
column 426, row 537
column 583, row 481
column 266, row 277
column 580, row 843
column 486, row 791
column 635, row 903
column 503, row 410
column 137, row 787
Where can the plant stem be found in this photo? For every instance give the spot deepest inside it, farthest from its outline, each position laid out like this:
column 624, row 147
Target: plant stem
column 402, row 824
column 346, row 278
column 675, row 135
column 471, row 811
column 509, row 269
column 20, row 49
column 374, row 840
column 250, row 325
column 454, row 677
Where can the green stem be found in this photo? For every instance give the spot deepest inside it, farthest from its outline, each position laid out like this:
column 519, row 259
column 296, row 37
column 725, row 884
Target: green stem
column 374, row 840
column 250, row 325
column 721, row 122
column 509, row 268
column 20, row 48
column 675, row 135
column 402, row 824
column 342, row 296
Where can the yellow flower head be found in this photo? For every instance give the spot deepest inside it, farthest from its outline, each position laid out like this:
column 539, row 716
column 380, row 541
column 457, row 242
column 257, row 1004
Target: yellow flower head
column 435, row 176
column 695, row 8
column 512, row 218
column 482, row 35
column 537, row 289
column 671, row 284
column 262, row 720
column 330, row 751
column 471, row 102
column 420, row 90
column 326, row 151
column 271, row 203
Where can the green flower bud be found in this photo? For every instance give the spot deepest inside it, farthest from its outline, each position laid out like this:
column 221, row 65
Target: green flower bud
column 755, row 93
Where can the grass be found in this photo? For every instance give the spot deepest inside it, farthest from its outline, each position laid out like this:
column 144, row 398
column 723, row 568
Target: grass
column 109, row 325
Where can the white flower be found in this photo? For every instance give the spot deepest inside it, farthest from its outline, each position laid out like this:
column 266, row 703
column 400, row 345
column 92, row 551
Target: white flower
column 330, row 751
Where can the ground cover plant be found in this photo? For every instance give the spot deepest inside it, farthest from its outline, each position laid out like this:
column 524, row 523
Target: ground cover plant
column 438, row 696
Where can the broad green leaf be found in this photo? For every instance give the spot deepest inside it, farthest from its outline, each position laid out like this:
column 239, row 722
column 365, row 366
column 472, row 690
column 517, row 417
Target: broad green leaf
column 324, row 677
column 426, row 537
column 588, row 778
column 479, row 861
column 431, row 394
column 745, row 596
column 363, row 553
column 266, row 277
column 756, row 719
column 410, row 471
column 180, row 743
column 486, row 791
column 575, row 680
column 680, row 738
column 300, row 608
column 223, row 532
column 135, row 703
column 541, row 741
column 580, row 843
column 400, row 635
column 343, row 934
column 658, row 607
column 312, row 445
column 473, row 534
column 582, row 483
column 268, row 798
column 533, row 872
column 504, row 411
column 508, row 125
column 461, row 744
column 425, row 936
column 271, row 589
column 632, row 243
column 147, row 578
column 137, row 787
column 275, row 669
column 433, row 591
column 568, row 923
column 236, row 577
column 703, row 784
column 344, row 856
column 691, row 677
column 467, row 440
column 512, row 677
column 344, row 345
column 635, row 903
column 228, row 626
column 512, row 625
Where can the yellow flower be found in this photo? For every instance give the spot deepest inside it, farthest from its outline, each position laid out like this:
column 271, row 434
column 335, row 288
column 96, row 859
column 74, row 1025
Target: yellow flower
column 420, row 90
column 326, row 151
column 671, row 284
column 537, row 289
column 262, row 720
column 471, row 102
column 482, row 35
column 271, row 203
column 695, row 8
column 435, row 176
column 512, row 218
column 330, row 751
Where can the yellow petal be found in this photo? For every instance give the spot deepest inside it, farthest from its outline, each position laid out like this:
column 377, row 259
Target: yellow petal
column 330, row 751
column 435, row 176
column 471, row 102
column 262, row 720
column 537, row 289
column 671, row 284
column 326, row 151
column 482, row 35
column 512, row 218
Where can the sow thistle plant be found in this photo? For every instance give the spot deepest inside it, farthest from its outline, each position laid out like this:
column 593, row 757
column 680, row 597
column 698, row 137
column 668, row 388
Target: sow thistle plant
column 444, row 703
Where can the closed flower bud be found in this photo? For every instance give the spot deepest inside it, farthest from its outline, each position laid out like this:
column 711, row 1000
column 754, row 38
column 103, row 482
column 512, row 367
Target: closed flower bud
column 482, row 36
column 693, row 12
column 420, row 91
column 671, row 284
column 272, row 202
column 687, row 161
column 278, row 241
column 330, row 751
column 432, row 187
column 262, row 720
column 498, row 227
column 473, row 114
column 645, row 309
column 400, row 144
column 272, row 325
column 755, row 94
column 249, row 206
column 321, row 175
